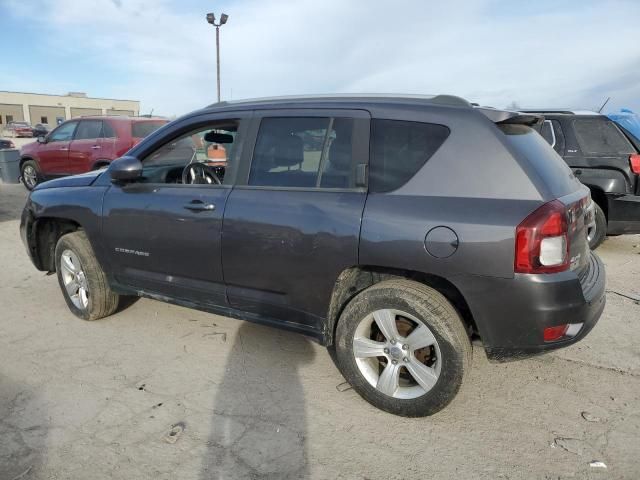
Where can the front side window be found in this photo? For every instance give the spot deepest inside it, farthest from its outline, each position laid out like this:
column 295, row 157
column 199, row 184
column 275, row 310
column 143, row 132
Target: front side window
column 601, row 137
column 89, row 129
column 304, row 152
column 400, row 149
column 63, row 133
column 202, row 156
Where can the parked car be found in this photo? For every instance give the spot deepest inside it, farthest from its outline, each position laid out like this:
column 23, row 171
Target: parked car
column 19, row 129
column 80, row 145
column 417, row 224
column 606, row 159
column 6, row 144
column 40, row 129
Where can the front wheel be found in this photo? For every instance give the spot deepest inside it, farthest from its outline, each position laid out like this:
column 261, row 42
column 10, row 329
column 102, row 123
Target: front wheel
column 403, row 348
column 30, row 174
column 82, row 280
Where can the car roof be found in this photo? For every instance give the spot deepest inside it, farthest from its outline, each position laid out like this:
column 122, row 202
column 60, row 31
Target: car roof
column 351, row 98
column 120, row 118
column 562, row 111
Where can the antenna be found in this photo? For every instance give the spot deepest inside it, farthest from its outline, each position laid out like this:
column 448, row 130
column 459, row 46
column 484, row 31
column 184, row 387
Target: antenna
column 605, row 102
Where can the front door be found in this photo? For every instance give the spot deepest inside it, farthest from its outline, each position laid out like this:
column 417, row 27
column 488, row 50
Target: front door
column 163, row 233
column 54, row 155
column 292, row 222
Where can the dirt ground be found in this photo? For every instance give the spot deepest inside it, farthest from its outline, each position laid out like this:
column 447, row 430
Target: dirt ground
column 163, row 392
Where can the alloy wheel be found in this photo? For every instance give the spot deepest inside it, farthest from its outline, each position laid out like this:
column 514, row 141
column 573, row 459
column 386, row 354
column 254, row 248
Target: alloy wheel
column 397, row 354
column 74, row 279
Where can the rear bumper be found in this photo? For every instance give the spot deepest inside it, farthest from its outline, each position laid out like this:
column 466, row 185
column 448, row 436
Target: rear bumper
column 511, row 314
column 623, row 214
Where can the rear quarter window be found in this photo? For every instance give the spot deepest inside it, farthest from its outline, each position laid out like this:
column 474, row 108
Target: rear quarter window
column 142, row 129
column 399, row 149
column 601, row 137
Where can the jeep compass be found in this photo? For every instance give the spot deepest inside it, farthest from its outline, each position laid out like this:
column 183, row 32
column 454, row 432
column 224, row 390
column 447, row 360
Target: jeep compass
column 393, row 230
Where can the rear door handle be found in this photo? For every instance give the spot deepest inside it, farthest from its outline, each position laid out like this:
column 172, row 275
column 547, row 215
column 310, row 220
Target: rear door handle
column 199, row 206
column 96, row 147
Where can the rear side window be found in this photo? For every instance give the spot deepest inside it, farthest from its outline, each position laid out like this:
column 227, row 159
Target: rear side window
column 399, row 149
column 601, row 137
column 303, row 152
column 89, row 129
column 107, row 130
column 142, row 129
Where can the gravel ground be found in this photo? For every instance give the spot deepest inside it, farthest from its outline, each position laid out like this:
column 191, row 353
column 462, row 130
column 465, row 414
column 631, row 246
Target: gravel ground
column 163, row 392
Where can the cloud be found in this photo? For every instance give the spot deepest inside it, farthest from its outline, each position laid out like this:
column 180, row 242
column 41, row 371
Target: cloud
column 572, row 55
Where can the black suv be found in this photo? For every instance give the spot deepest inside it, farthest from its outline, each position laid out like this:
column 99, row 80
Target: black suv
column 391, row 229
column 603, row 156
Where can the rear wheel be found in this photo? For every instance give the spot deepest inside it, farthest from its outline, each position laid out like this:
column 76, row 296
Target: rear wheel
column 82, row 280
column 597, row 232
column 403, row 348
column 30, row 174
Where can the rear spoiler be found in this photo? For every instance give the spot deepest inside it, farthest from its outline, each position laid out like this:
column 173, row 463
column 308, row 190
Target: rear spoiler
column 511, row 117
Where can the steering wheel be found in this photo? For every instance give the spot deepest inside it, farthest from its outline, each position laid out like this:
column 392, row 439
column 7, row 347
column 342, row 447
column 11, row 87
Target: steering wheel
column 199, row 173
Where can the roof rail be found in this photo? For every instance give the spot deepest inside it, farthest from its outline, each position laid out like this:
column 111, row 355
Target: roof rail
column 447, row 100
column 560, row 111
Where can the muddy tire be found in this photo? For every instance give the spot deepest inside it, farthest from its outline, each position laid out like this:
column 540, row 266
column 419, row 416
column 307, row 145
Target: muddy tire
column 598, row 232
column 421, row 368
column 82, row 281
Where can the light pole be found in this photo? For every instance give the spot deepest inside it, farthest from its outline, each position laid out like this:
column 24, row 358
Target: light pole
column 211, row 18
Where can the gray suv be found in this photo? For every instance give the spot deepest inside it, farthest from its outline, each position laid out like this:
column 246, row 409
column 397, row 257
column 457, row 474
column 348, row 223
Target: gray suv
column 393, row 230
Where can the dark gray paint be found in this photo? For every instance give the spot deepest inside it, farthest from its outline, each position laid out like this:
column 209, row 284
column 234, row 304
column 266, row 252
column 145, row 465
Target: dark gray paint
column 273, row 255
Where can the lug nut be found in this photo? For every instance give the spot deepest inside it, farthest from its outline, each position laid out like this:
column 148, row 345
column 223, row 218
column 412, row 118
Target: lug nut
column 395, row 362
column 405, row 360
column 393, row 341
column 405, row 347
column 386, row 350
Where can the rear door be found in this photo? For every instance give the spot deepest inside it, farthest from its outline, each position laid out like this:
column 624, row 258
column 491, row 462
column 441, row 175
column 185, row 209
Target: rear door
column 54, row 154
column 292, row 222
column 85, row 148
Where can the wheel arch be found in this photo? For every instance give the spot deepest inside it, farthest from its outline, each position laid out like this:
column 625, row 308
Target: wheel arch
column 44, row 236
column 600, row 197
column 353, row 280
column 103, row 162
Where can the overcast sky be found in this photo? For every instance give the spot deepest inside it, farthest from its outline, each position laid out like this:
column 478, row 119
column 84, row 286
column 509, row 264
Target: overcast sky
column 537, row 53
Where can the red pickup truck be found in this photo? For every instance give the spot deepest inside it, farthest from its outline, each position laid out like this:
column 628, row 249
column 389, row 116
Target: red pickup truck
column 81, row 145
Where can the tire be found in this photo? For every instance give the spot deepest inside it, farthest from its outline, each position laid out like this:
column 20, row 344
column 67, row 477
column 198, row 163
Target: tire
column 30, row 174
column 101, row 301
column 598, row 232
column 412, row 305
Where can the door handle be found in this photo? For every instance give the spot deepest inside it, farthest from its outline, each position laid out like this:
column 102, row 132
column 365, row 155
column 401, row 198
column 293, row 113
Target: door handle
column 96, row 147
column 199, row 206
column 64, row 149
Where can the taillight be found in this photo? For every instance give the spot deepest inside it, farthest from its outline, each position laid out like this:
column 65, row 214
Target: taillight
column 634, row 161
column 542, row 244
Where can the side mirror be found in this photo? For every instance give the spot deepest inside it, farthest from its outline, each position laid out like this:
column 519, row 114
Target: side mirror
column 42, row 139
column 125, row 169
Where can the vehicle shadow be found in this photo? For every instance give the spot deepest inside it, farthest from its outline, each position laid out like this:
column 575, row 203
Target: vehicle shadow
column 259, row 425
column 23, row 431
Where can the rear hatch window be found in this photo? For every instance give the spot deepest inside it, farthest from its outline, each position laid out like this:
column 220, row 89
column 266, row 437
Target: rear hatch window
column 601, row 137
column 142, row 129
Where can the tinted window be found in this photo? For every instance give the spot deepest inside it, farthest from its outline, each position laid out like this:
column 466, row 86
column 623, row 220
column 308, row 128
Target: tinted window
column 547, row 133
column 89, row 129
column 303, row 152
column 400, row 149
column 63, row 133
column 601, row 137
column 142, row 129
column 107, row 130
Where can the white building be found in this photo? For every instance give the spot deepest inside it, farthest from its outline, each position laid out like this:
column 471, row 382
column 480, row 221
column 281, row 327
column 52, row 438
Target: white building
column 54, row 109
